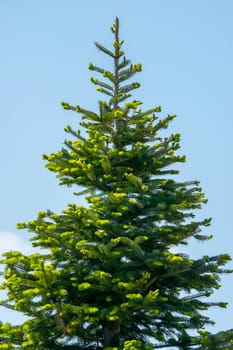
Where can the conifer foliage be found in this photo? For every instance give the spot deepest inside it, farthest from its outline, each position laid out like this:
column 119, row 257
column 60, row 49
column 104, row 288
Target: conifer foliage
column 111, row 274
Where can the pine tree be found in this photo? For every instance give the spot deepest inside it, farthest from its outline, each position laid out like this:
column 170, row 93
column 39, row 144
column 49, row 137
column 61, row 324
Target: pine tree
column 111, row 274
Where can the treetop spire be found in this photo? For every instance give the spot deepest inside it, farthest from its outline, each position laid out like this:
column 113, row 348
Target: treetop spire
column 122, row 71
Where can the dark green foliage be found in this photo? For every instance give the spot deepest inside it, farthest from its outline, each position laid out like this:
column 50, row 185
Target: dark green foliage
column 113, row 274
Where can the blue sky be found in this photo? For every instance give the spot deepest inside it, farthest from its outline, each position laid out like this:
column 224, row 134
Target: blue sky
column 186, row 48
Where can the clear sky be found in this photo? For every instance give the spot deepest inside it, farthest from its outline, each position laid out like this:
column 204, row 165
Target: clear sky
column 186, row 48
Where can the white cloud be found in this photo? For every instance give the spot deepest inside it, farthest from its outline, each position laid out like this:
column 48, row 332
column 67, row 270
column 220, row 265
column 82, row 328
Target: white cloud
column 10, row 241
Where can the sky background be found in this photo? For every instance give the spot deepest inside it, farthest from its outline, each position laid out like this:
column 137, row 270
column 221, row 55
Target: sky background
column 186, row 48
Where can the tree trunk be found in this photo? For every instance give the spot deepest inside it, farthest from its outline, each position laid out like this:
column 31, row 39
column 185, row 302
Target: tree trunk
column 111, row 334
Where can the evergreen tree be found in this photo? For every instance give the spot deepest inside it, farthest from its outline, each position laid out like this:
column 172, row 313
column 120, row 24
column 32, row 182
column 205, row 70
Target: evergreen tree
column 111, row 275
